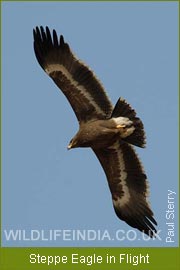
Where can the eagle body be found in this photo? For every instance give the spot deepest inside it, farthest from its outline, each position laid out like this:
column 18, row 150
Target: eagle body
column 111, row 132
column 99, row 134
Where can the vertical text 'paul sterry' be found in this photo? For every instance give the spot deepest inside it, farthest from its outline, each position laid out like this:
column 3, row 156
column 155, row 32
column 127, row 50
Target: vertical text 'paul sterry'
column 170, row 215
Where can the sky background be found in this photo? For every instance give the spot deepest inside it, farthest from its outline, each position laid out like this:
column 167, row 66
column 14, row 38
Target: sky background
column 132, row 47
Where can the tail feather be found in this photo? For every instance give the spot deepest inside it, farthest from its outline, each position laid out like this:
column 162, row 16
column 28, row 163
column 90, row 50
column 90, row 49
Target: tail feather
column 123, row 109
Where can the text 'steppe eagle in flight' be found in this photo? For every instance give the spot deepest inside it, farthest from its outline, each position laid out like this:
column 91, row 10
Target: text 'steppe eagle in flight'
column 110, row 132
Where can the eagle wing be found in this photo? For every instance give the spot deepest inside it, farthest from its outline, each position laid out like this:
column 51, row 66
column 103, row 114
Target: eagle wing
column 128, row 185
column 78, row 83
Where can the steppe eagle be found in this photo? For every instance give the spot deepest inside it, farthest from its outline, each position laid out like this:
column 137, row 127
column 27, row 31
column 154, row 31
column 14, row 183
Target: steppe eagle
column 110, row 132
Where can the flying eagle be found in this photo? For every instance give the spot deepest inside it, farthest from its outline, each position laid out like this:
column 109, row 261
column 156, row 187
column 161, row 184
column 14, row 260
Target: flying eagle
column 110, row 132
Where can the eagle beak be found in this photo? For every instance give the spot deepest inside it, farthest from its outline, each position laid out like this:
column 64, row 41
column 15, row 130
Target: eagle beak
column 69, row 146
column 72, row 144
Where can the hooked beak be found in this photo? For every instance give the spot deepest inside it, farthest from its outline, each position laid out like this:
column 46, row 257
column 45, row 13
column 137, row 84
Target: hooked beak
column 69, row 146
column 72, row 144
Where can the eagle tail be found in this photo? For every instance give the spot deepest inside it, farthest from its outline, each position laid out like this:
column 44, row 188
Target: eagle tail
column 123, row 109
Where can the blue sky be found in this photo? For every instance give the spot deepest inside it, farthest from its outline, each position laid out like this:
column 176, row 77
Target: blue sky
column 132, row 47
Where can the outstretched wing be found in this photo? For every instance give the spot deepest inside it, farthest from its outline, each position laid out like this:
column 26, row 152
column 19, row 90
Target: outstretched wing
column 128, row 184
column 78, row 83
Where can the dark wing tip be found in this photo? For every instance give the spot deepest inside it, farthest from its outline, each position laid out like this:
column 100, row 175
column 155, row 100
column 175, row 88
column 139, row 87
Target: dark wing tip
column 138, row 217
column 61, row 40
column 55, row 38
column 39, row 44
column 45, row 42
column 36, row 34
column 48, row 35
column 42, row 28
column 153, row 220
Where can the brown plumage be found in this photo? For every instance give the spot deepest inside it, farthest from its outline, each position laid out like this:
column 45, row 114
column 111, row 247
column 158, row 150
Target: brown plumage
column 109, row 132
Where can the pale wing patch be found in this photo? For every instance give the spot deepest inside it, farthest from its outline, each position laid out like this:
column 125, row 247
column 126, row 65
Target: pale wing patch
column 57, row 67
column 143, row 170
column 124, row 199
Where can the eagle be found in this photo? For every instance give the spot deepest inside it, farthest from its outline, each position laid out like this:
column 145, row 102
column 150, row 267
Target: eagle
column 111, row 132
